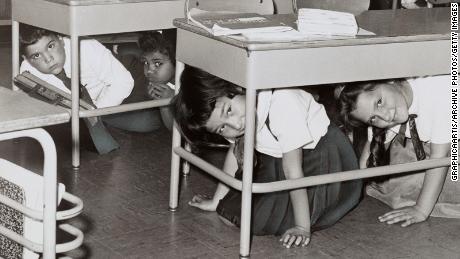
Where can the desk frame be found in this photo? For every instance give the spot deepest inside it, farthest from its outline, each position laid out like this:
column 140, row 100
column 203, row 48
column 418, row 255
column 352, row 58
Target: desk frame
column 257, row 66
column 22, row 116
column 73, row 19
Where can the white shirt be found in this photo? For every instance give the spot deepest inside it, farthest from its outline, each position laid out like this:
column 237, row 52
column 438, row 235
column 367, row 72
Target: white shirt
column 296, row 120
column 107, row 80
column 431, row 104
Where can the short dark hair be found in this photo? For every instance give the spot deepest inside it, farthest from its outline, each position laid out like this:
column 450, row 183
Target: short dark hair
column 29, row 35
column 196, row 100
column 153, row 41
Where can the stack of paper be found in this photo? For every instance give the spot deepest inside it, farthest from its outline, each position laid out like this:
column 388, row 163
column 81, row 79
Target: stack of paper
column 325, row 22
column 219, row 24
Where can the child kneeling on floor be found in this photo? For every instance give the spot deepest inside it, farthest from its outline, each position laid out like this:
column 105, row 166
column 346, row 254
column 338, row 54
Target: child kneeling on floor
column 394, row 111
column 294, row 139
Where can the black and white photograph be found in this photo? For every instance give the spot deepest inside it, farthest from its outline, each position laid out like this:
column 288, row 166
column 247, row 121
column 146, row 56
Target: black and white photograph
column 169, row 129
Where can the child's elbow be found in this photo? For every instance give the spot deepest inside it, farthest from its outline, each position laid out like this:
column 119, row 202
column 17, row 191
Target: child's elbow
column 131, row 85
column 128, row 87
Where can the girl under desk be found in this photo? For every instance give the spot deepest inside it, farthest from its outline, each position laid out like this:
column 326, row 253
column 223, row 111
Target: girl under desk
column 294, row 138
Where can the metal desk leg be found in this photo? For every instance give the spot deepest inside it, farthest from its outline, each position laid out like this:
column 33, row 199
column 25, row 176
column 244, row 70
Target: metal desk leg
column 15, row 51
column 75, row 119
column 245, row 235
column 175, row 159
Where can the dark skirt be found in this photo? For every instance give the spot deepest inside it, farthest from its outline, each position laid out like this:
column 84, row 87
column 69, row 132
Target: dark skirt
column 272, row 213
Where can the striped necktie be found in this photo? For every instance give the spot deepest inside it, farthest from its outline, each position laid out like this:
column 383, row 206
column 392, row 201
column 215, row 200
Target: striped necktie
column 83, row 91
column 416, row 142
column 101, row 137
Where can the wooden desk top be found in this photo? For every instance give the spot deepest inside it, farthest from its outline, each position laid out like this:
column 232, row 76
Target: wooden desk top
column 100, row 2
column 18, row 111
column 390, row 26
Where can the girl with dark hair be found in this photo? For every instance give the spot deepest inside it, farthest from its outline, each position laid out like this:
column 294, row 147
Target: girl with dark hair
column 294, row 138
column 395, row 110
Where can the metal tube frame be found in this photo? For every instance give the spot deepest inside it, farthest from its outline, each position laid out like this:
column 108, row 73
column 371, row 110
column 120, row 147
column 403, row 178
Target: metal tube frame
column 49, row 186
column 248, row 165
column 311, row 180
column 176, row 142
column 49, row 215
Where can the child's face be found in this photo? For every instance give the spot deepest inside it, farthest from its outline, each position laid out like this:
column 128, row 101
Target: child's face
column 158, row 68
column 227, row 118
column 384, row 107
column 47, row 55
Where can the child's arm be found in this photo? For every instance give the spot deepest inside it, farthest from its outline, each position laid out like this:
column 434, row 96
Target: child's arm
column 157, row 91
column 107, row 70
column 432, row 186
column 230, row 167
column 300, row 234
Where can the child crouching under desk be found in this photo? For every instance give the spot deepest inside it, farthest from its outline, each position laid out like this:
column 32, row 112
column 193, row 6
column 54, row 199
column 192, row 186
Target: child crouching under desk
column 294, row 139
column 151, row 62
column 410, row 121
column 104, row 81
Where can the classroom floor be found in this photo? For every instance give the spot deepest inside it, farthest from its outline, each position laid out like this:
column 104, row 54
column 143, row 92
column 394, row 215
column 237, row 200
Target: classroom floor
column 126, row 215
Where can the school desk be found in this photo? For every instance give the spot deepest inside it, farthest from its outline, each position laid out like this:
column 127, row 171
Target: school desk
column 407, row 43
column 23, row 116
column 92, row 17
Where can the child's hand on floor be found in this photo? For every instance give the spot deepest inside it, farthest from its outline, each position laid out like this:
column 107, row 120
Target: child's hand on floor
column 203, row 202
column 296, row 236
column 159, row 91
column 406, row 215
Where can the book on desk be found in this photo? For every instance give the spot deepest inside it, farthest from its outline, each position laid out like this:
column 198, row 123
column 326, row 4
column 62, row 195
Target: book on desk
column 325, row 22
column 311, row 24
column 227, row 23
column 42, row 90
